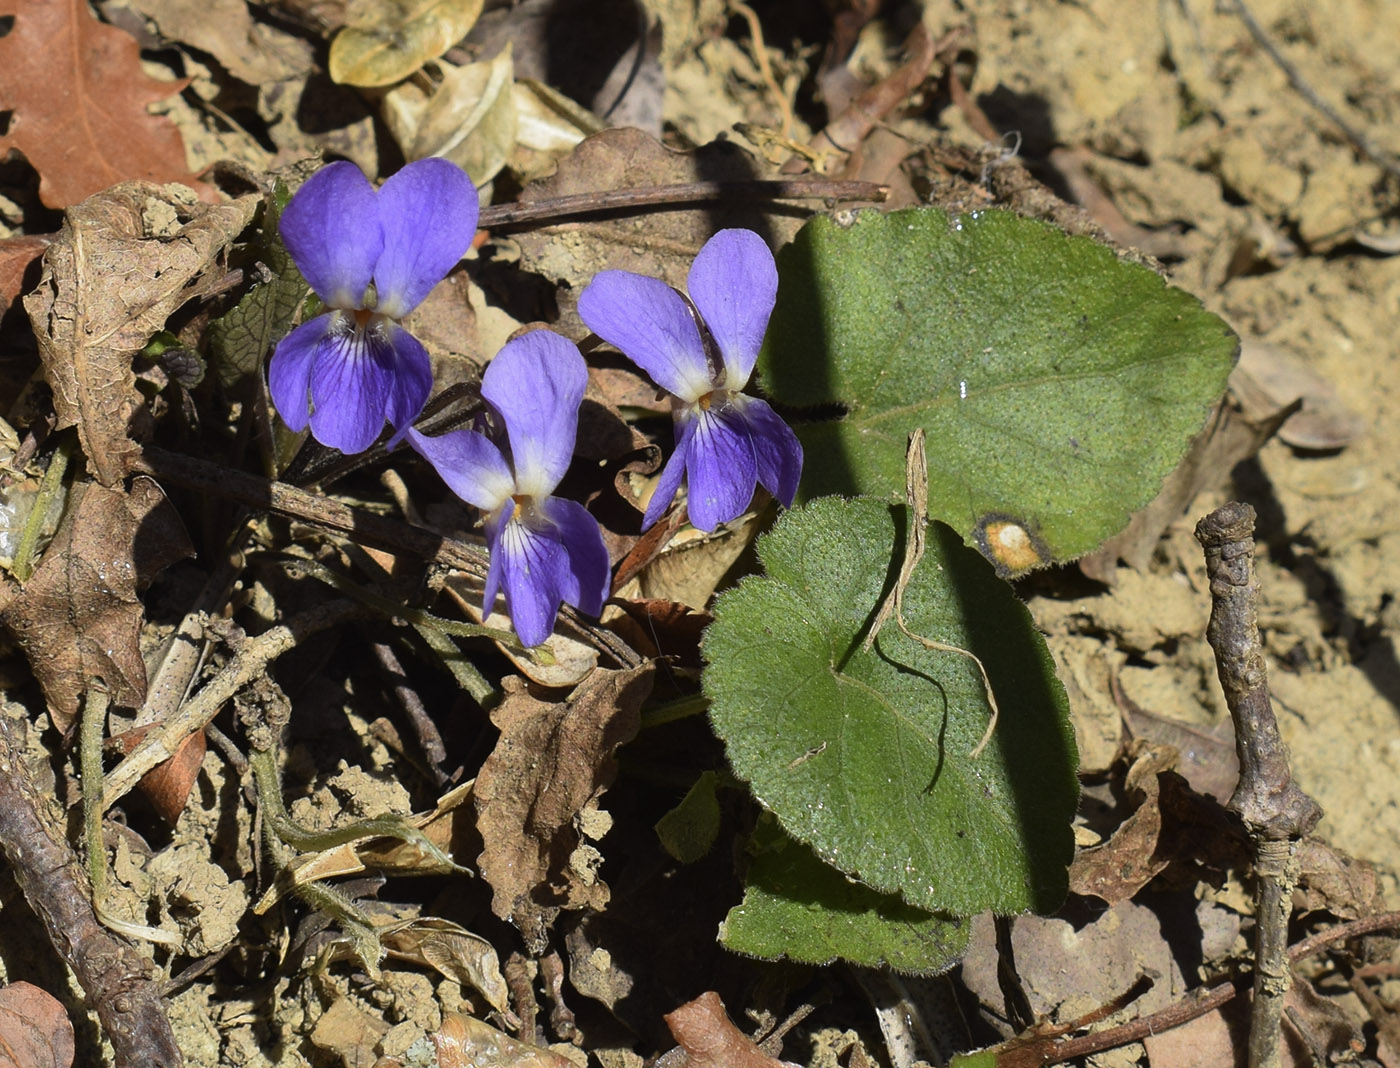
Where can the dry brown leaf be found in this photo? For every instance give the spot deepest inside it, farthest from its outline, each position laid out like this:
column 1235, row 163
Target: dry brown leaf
column 1268, row 376
column 663, row 629
column 35, row 1031
column 469, row 118
column 694, row 563
column 1066, row 969
column 464, row 1042
column 78, row 617
column 125, row 260
column 709, row 1038
column 1130, row 859
column 17, row 255
column 79, row 97
column 551, row 760
column 1330, row 880
column 388, row 41
column 457, row 953
column 251, row 51
column 167, row 786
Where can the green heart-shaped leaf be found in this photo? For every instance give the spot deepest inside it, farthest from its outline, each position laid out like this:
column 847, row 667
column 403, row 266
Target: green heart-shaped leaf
column 864, row 755
column 797, row 907
column 1058, row 384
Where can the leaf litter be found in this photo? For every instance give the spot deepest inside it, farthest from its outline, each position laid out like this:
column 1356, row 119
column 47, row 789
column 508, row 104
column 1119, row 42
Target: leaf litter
column 1257, row 203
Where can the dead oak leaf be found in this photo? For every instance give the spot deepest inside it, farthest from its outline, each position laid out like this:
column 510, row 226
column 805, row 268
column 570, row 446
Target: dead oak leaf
column 78, row 616
column 551, row 760
column 79, row 98
column 125, row 260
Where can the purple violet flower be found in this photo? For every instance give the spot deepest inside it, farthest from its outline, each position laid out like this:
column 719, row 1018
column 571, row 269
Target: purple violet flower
column 726, row 442
column 544, row 550
column 371, row 257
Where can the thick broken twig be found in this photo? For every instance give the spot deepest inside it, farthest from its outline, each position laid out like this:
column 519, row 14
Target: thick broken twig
column 1275, row 811
column 114, row 976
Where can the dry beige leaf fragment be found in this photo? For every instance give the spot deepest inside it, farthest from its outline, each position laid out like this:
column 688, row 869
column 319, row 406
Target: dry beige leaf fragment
column 125, row 260
column 386, row 42
column 465, row 1042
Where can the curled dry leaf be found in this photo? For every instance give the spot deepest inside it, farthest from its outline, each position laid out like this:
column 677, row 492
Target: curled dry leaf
column 125, row 260
column 457, row 953
column 78, row 617
column 249, row 49
column 470, row 118
column 464, row 1042
column 708, row 1038
column 1128, row 861
column 392, row 40
column 551, row 760
column 168, row 785
column 17, row 255
column 35, row 1031
column 1271, row 377
column 79, row 98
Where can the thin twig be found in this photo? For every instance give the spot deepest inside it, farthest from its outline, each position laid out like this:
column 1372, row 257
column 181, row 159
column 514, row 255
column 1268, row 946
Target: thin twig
column 675, row 197
column 424, row 728
column 1275, row 811
column 164, row 740
column 362, row 526
column 114, row 976
column 1359, row 140
column 1196, row 1003
column 91, row 730
column 765, row 68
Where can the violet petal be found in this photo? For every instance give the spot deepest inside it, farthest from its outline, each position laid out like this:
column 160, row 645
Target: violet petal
column 536, row 382
column 469, row 463
column 673, row 472
column 412, row 380
column 495, row 524
column 331, row 228
column 590, row 572
column 651, row 325
column 289, row 372
column 535, row 571
column 720, row 467
column 352, row 380
column 776, row 450
column 428, row 211
column 734, row 283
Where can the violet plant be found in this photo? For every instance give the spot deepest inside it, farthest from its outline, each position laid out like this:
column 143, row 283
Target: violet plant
column 1030, row 360
column 371, row 257
column 702, row 351
column 545, row 550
